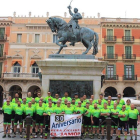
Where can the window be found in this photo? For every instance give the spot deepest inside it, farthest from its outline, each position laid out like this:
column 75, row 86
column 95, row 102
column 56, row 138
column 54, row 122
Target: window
column 35, row 70
column 37, row 37
column 128, row 52
column 111, row 72
column 127, row 35
column 110, row 34
column 1, row 50
column 16, row 69
column 55, row 38
column 19, row 36
column 2, row 32
column 129, row 72
column 110, row 52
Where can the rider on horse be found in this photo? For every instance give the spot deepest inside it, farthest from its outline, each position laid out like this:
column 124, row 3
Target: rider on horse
column 74, row 23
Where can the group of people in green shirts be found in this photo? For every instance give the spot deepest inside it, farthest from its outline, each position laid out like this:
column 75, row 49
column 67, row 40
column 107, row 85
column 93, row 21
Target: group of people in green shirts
column 94, row 113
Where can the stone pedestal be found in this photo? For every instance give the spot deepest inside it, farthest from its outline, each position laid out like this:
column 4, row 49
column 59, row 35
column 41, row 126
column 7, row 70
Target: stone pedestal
column 72, row 70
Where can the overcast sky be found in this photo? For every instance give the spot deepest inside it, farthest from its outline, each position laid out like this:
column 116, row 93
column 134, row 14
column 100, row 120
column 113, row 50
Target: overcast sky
column 106, row 8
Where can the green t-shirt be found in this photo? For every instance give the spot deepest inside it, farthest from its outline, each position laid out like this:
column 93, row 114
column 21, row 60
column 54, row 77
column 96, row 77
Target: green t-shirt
column 24, row 105
column 96, row 113
column 39, row 110
column 105, row 111
column 114, row 111
column 100, row 106
column 68, row 110
column 14, row 105
column 123, row 113
column 95, row 102
column 14, row 101
column 29, row 110
column 58, row 110
column 109, row 106
column 49, row 110
column 122, row 102
column 77, row 100
column 103, row 101
column 119, row 106
column 55, row 100
column 28, row 99
column 37, row 99
column 7, row 109
column 89, row 112
column 19, row 110
column 133, row 114
column 80, row 109
column 46, row 98
column 128, row 107
column 91, row 107
column 68, row 98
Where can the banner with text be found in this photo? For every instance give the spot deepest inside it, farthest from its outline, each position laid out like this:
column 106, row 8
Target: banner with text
column 63, row 125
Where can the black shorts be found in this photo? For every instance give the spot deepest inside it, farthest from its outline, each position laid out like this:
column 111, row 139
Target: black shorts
column 87, row 121
column 123, row 124
column 18, row 118
column 103, row 123
column 7, row 119
column 96, row 121
column 47, row 120
column 39, row 119
column 115, row 121
column 132, row 123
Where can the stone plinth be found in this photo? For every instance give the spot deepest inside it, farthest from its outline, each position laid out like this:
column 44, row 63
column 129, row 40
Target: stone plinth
column 72, row 70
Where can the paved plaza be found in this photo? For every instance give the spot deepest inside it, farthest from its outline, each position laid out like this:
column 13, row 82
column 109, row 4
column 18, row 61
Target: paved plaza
column 17, row 138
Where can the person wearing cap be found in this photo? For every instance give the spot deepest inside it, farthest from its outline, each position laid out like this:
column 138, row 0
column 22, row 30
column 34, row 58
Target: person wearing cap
column 7, row 110
column 47, row 112
column 102, row 99
column 123, row 118
column 87, row 120
column 19, row 111
column 29, row 97
column 66, row 94
column 49, row 96
column 122, row 102
column 76, row 98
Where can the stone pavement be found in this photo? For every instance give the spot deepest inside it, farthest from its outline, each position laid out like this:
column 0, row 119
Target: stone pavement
column 17, row 138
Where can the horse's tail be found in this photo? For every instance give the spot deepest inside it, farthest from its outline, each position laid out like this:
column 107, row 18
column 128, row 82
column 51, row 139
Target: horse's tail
column 95, row 44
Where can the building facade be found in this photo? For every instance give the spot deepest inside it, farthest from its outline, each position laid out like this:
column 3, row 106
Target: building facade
column 121, row 48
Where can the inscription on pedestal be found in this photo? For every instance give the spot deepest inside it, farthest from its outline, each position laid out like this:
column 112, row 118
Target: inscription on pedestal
column 80, row 87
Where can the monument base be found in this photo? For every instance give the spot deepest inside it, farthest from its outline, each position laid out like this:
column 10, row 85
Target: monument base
column 72, row 75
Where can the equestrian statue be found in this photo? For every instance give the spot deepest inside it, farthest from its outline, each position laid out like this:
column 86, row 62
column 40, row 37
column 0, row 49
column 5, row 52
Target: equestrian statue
column 72, row 32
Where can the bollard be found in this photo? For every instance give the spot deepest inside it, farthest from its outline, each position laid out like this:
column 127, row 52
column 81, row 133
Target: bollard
column 108, row 123
column 28, row 123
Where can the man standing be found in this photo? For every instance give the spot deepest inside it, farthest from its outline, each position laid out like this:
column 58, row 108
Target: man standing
column 49, row 96
column 39, row 119
column 56, row 98
column 66, row 94
column 68, row 109
column 7, row 110
column 29, row 97
column 122, row 102
column 16, row 97
column 38, row 98
column 123, row 118
column 19, row 110
column 76, row 98
column 102, row 99
column 134, row 116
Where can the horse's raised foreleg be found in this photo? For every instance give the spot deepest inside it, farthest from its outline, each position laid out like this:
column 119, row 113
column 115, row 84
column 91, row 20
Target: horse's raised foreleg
column 62, row 39
column 87, row 44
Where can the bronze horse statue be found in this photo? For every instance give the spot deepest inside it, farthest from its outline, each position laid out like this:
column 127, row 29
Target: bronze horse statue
column 85, row 35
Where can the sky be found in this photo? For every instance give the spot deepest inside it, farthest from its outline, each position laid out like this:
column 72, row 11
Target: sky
column 106, row 8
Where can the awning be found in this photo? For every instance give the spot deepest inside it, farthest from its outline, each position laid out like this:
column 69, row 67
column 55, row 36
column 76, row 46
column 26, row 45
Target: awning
column 16, row 60
column 32, row 62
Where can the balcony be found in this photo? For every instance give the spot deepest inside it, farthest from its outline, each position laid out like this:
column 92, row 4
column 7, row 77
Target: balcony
column 129, row 57
column 3, row 57
column 130, row 77
column 3, row 38
column 111, row 77
column 110, row 39
column 128, row 39
column 21, row 76
column 110, row 56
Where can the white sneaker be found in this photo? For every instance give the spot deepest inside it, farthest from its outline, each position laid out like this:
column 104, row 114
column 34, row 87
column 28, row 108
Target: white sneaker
column 35, row 136
column 41, row 136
